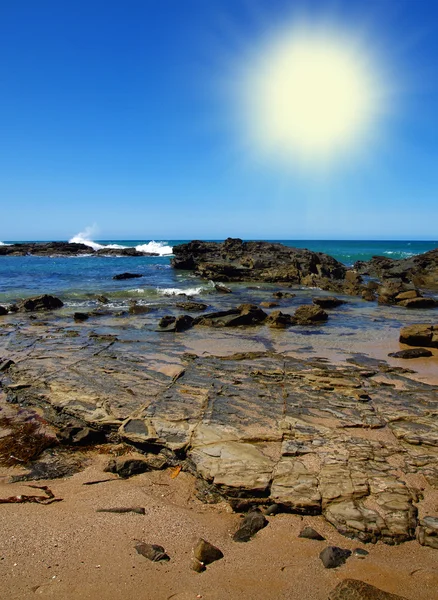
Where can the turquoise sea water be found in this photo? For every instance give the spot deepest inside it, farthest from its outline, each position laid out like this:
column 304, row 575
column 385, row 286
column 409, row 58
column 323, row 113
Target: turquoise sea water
column 77, row 279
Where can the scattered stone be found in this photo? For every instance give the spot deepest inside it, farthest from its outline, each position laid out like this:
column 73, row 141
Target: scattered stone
column 408, row 295
column 245, row 314
column 126, row 467
column 353, row 589
column 412, row 353
column 206, row 553
column 327, row 301
column 268, row 304
column 152, row 552
column 122, row 276
column 80, row 316
column 360, row 553
column 311, row 534
column 251, row 524
column 307, row 315
column 427, row 532
column 44, row 302
column 333, row 556
column 102, row 299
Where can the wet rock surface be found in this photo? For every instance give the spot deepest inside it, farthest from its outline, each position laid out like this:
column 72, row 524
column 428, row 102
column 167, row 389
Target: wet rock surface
column 259, row 428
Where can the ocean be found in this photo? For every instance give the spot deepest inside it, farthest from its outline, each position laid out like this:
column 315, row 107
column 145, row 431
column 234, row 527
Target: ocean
column 76, row 280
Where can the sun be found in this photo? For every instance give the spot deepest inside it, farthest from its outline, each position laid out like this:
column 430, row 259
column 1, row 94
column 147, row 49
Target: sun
column 309, row 96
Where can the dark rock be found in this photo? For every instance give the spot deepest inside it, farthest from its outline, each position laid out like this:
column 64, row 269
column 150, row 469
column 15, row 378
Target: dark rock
column 81, row 436
column 126, row 467
column 5, row 365
column 122, row 276
column 206, row 553
column 138, row 510
column 279, row 320
column 420, row 335
column 123, row 252
column 333, row 556
column 268, row 304
column 3, row 311
column 245, row 314
column 280, row 294
column 418, row 303
column 46, row 249
column 80, row 316
column 411, row 353
column 311, row 534
column 306, row 315
column 251, row 524
column 327, row 301
column 180, row 323
column 427, row 532
column 152, row 552
column 353, row 589
column 192, row 306
column 102, row 299
column 222, row 289
column 44, row 302
column 368, row 295
column 235, row 260
column 272, row 509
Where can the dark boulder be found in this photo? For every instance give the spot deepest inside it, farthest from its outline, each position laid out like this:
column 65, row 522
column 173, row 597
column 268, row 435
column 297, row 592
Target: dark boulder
column 44, row 302
column 138, row 309
column 251, row 524
column 420, row 335
column 418, row 303
column 3, row 311
column 327, row 301
column 333, row 556
column 181, row 323
column 245, row 314
column 279, row 320
column 206, row 553
column 81, row 436
column 126, row 467
column 122, row 276
column 307, row 315
column 80, row 316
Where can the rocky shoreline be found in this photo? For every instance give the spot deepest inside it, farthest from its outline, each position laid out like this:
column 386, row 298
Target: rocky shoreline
column 262, row 431
column 66, row 249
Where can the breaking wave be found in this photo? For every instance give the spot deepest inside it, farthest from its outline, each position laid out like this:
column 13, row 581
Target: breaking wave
column 161, row 248
column 399, row 253
column 3, row 244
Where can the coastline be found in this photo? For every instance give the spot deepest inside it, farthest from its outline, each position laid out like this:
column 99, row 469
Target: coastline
column 202, row 394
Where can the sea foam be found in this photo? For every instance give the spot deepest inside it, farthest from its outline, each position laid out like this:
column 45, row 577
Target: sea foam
column 161, row 248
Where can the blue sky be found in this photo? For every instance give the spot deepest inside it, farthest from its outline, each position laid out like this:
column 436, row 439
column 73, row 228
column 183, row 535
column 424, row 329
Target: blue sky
column 118, row 115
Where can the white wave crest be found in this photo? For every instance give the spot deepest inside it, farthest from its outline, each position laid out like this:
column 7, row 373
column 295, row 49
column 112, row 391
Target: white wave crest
column 400, row 253
column 180, row 291
column 3, row 244
column 161, row 248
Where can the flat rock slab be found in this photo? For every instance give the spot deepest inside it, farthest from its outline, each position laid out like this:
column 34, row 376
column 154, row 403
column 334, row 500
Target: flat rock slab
column 353, row 589
column 312, row 438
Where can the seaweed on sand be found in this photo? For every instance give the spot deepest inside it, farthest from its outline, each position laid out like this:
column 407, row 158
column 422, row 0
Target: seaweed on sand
column 23, row 442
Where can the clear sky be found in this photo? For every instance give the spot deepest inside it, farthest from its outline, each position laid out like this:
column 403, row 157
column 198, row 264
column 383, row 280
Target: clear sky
column 128, row 116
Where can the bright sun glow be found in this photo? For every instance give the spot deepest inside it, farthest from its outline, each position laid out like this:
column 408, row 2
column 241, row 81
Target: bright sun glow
column 309, row 96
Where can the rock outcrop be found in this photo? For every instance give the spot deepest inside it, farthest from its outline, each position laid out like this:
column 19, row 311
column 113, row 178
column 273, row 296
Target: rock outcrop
column 235, row 260
column 420, row 270
column 420, row 335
